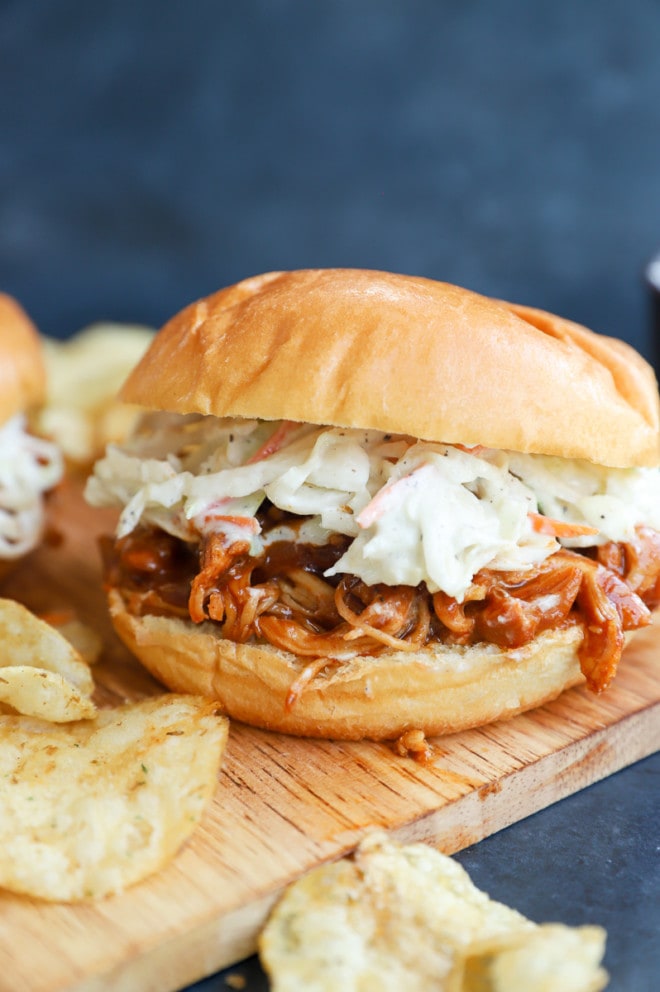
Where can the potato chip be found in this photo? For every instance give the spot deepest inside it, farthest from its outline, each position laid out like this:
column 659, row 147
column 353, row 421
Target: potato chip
column 85, row 372
column 549, row 958
column 392, row 917
column 37, row 692
column 83, row 638
column 396, row 917
column 25, row 639
column 90, row 366
column 89, row 808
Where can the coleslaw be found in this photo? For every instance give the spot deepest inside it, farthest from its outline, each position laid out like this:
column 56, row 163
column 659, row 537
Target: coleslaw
column 416, row 511
column 29, row 466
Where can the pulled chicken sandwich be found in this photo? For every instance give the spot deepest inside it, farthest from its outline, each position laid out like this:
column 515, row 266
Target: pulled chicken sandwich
column 362, row 503
column 29, row 465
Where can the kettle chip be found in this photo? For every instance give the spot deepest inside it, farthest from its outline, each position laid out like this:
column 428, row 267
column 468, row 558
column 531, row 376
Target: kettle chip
column 406, row 916
column 41, row 672
column 38, row 692
column 91, row 807
column 84, row 638
column 82, row 412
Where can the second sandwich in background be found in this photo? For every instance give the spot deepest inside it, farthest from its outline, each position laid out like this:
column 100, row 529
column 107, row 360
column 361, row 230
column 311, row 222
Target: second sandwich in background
column 30, row 465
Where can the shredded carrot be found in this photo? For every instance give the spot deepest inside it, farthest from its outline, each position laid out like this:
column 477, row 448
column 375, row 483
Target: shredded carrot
column 274, row 442
column 376, row 506
column 249, row 523
column 472, row 449
column 559, row 528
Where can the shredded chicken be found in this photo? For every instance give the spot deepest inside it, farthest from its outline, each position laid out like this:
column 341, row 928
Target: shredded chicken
column 637, row 563
column 283, row 597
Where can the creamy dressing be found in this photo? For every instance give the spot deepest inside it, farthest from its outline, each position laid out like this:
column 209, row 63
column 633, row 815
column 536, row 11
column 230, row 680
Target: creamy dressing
column 416, row 511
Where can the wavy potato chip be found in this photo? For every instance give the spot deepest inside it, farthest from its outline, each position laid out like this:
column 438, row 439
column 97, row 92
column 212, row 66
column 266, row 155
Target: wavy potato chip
column 41, row 673
column 398, row 917
column 89, row 808
column 85, row 372
column 83, row 638
column 391, row 917
column 550, row 958
column 47, row 695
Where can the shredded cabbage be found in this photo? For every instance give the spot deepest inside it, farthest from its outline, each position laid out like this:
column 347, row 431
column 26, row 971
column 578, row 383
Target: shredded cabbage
column 417, row 511
column 29, row 466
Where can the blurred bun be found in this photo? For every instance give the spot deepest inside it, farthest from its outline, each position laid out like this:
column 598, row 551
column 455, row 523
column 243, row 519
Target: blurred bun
column 22, row 369
column 356, row 348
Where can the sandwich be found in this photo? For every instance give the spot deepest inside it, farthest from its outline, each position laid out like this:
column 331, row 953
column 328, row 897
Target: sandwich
column 30, row 465
column 360, row 504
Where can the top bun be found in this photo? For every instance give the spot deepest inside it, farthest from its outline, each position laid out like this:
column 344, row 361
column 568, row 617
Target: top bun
column 408, row 355
column 22, row 369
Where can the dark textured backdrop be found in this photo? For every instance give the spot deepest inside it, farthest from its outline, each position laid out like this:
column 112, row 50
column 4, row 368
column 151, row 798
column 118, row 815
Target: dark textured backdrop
column 153, row 151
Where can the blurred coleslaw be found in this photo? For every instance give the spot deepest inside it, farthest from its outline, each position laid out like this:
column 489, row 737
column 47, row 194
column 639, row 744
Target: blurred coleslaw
column 29, row 466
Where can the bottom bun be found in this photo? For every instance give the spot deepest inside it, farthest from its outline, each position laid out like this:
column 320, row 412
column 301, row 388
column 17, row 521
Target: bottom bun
column 439, row 690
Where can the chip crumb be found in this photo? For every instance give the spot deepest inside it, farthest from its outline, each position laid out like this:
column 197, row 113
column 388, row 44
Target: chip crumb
column 236, row 980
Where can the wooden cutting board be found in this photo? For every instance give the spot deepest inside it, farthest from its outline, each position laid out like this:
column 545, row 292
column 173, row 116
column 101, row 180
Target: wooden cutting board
column 284, row 805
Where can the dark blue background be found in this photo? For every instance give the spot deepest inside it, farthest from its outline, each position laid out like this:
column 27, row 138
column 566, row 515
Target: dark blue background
column 153, row 151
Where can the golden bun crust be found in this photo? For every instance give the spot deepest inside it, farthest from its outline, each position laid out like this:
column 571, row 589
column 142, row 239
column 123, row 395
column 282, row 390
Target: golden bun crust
column 439, row 690
column 405, row 354
column 22, row 369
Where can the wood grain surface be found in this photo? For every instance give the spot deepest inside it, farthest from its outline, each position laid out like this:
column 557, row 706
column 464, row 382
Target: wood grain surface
column 284, row 805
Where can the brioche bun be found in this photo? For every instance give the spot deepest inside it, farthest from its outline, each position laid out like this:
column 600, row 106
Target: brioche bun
column 439, row 690
column 355, row 348
column 400, row 354
column 22, row 381
column 22, row 369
